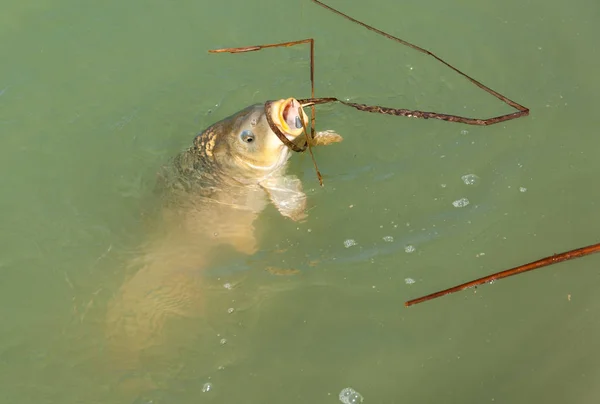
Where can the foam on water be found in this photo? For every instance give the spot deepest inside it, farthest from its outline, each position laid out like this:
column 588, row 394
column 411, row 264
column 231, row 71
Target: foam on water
column 470, row 179
column 350, row 396
column 460, row 203
column 349, row 243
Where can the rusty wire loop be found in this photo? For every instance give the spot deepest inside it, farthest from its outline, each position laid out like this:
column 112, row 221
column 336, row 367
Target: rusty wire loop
column 312, row 101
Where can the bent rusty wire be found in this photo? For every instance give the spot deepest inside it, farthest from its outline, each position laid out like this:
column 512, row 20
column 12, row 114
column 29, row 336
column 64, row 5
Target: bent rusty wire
column 544, row 262
column 312, row 101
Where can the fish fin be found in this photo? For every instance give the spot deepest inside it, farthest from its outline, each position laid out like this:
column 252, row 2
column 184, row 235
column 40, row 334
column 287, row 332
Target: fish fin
column 286, row 194
column 326, row 137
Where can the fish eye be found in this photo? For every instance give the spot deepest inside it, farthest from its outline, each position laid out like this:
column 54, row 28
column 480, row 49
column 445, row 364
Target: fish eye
column 247, row 136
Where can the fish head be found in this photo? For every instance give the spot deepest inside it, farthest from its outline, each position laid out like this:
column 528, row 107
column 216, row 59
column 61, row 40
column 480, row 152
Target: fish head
column 245, row 144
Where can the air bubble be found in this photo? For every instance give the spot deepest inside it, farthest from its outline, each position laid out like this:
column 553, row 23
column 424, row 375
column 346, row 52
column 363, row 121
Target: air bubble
column 409, row 281
column 388, row 239
column 470, row 179
column 460, row 203
column 409, row 249
column 230, row 310
column 349, row 243
column 350, row 396
column 228, row 286
column 523, row 189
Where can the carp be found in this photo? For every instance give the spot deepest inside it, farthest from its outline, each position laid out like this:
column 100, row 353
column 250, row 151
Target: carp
column 213, row 193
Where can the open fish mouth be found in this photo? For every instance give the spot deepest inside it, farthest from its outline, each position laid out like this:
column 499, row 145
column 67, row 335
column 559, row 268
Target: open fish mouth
column 285, row 118
column 286, row 115
column 289, row 116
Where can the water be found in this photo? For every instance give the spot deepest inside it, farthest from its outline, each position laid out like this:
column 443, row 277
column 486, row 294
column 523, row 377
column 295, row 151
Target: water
column 95, row 97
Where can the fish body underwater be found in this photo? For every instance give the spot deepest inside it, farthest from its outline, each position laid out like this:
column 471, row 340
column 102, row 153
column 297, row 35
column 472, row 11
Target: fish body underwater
column 212, row 195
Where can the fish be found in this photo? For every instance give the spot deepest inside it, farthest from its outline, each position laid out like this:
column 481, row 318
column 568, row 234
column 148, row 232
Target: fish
column 211, row 196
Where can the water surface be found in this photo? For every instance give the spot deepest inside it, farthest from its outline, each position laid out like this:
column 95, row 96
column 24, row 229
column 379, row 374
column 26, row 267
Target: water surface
column 95, row 97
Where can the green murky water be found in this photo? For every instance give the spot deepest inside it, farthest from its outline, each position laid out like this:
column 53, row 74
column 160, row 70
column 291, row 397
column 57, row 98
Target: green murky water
column 94, row 97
